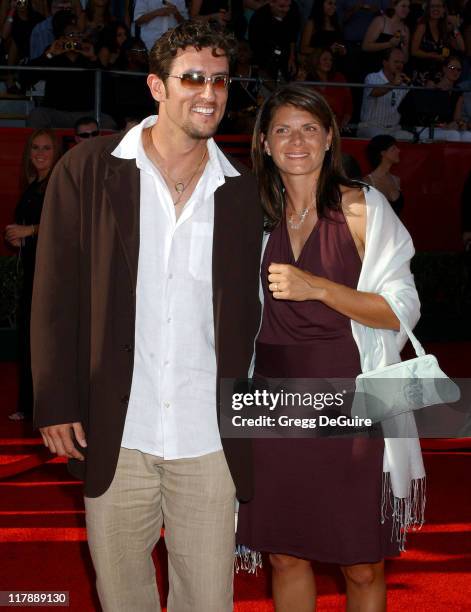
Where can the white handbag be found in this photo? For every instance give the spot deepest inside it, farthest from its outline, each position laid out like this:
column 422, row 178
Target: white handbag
column 400, row 388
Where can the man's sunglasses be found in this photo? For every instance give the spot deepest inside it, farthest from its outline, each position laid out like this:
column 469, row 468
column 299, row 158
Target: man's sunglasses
column 196, row 80
column 88, row 134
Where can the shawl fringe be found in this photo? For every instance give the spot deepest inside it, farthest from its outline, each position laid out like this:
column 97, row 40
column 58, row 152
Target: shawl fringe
column 407, row 513
column 247, row 560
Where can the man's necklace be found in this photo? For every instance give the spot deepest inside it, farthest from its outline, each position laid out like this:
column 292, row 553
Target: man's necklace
column 179, row 186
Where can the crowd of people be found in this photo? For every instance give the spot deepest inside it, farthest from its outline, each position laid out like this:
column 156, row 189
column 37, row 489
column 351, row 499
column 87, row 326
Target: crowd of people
column 381, row 43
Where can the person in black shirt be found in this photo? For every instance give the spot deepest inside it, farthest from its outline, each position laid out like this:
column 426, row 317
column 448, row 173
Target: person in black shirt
column 273, row 31
column 68, row 95
column 39, row 158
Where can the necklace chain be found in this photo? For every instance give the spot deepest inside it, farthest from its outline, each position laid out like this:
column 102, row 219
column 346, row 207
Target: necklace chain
column 302, row 217
column 179, row 186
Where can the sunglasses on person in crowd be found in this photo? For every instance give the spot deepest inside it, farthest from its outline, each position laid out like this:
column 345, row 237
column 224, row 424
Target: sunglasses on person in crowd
column 457, row 68
column 196, row 80
column 88, row 134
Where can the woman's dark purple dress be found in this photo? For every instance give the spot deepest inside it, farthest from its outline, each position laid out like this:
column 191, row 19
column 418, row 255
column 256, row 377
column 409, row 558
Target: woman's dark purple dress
column 316, row 498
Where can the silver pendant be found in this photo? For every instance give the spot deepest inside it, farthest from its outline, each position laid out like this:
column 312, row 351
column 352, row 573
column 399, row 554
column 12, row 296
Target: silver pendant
column 179, row 187
column 302, row 216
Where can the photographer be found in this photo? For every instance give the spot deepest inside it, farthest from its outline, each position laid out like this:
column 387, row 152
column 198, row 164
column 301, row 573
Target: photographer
column 379, row 110
column 68, row 95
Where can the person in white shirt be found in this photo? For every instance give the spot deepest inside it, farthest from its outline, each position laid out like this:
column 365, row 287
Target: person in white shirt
column 155, row 17
column 146, row 299
column 379, row 109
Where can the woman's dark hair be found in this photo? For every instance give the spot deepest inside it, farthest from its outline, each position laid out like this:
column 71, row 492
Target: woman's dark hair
column 390, row 11
column 109, row 33
column 318, row 17
column 332, row 175
column 376, row 146
column 442, row 23
column 28, row 172
column 197, row 34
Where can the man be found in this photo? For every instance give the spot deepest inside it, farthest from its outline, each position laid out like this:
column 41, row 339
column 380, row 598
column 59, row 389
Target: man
column 155, row 17
column 68, row 95
column 379, row 110
column 146, row 296
column 43, row 34
column 85, row 128
column 273, row 31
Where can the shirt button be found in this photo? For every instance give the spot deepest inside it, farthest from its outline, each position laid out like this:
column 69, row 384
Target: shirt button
column 170, row 276
column 125, row 400
column 127, row 348
column 169, row 320
column 167, row 404
column 166, row 363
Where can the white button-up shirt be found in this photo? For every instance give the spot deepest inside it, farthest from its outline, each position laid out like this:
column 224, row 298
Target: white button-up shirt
column 172, row 405
column 381, row 111
column 153, row 30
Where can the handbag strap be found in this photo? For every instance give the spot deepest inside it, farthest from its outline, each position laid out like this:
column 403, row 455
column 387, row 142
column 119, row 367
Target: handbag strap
column 418, row 348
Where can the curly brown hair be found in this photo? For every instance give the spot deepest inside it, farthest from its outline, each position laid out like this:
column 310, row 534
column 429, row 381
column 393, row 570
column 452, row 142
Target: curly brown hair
column 197, row 34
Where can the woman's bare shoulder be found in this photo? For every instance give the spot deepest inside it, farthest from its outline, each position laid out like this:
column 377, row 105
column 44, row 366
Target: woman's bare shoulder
column 353, row 201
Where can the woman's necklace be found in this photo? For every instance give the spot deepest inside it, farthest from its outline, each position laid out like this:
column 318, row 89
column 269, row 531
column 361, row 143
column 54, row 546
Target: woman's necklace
column 295, row 225
column 179, row 186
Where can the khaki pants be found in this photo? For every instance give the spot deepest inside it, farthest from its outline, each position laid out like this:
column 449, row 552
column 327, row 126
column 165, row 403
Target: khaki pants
column 194, row 499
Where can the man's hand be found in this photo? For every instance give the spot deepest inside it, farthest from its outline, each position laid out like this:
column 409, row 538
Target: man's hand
column 60, row 439
column 57, row 47
column 290, row 283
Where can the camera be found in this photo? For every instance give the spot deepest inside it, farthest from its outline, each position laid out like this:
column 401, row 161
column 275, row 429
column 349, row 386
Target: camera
column 72, row 45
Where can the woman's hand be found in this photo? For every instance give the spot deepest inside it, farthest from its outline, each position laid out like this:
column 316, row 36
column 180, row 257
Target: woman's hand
column 290, row 283
column 15, row 233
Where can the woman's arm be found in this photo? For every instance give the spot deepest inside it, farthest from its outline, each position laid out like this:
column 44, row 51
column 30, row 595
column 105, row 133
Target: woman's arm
column 458, row 114
column 306, row 37
column 7, row 24
column 369, row 41
column 290, row 283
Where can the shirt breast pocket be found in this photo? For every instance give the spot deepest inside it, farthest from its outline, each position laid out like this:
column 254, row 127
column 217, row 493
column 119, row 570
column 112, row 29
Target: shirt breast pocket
column 201, row 251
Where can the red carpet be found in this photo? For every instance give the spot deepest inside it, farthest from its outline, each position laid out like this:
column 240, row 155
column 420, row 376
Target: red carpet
column 43, row 539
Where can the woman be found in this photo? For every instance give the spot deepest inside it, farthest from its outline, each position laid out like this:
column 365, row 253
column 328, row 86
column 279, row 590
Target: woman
column 95, row 17
column 16, row 32
column 39, row 158
column 110, row 44
column 325, row 316
column 322, row 30
column 449, row 121
column 432, row 41
column 388, row 31
column 321, row 68
column 383, row 153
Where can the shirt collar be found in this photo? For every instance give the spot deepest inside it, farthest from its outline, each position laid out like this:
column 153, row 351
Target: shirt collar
column 130, row 147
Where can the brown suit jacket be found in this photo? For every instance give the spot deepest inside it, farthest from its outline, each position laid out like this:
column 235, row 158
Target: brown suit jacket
column 84, row 301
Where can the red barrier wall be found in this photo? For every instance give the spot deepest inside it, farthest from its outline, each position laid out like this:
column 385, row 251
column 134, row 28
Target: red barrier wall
column 432, row 177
